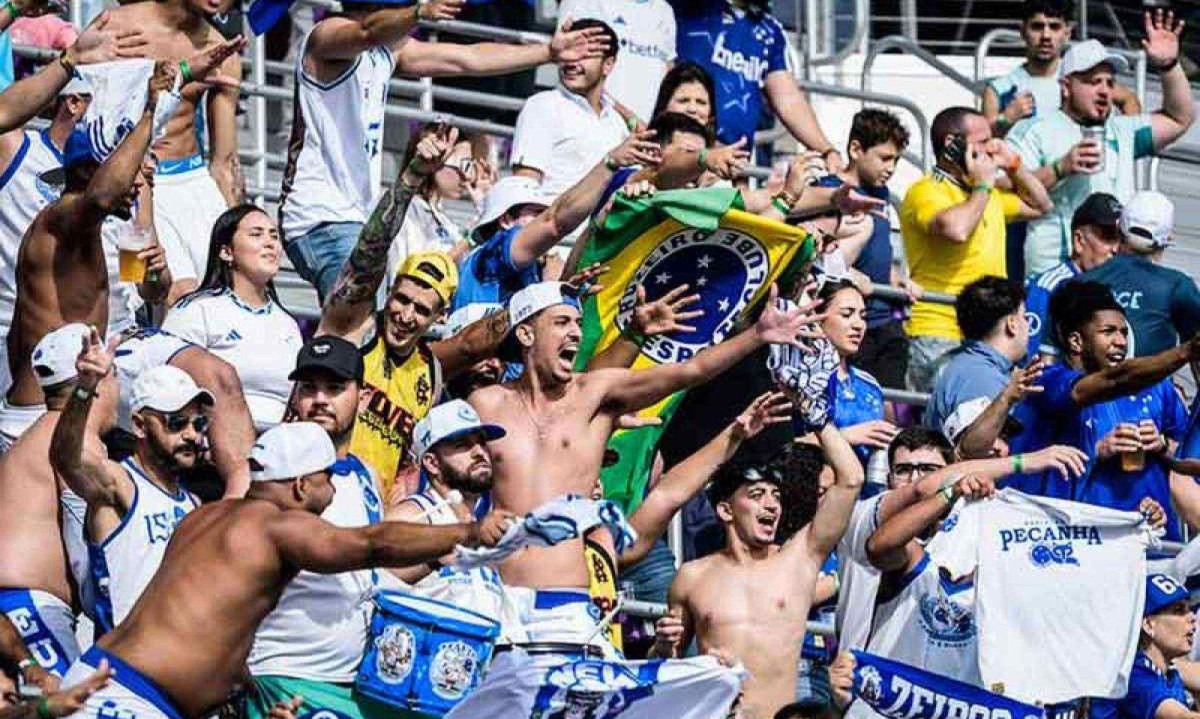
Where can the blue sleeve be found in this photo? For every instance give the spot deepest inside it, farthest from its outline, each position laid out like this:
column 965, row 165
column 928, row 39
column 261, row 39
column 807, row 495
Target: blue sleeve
column 1175, row 414
column 1185, row 308
column 1146, row 691
column 1036, row 304
column 1055, row 398
column 495, row 256
column 777, row 50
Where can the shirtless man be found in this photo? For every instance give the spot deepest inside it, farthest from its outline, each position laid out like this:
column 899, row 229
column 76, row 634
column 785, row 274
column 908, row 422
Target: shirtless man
column 188, row 197
column 751, row 600
column 184, row 645
column 558, row 422
column 36, row 588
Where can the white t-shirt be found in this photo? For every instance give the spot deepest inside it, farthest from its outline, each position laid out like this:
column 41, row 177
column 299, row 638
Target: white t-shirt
column 318, row 630
column 559, row 134
column 646, row 29
column 425, row 228
column 260, row 342
column 858, row 580
column 1058, row 581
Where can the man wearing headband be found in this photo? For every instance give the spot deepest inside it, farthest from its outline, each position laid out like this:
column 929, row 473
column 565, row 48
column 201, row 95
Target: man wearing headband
column 557, row 423
column 183, row 647
column 133, row 506
column 1156, row 687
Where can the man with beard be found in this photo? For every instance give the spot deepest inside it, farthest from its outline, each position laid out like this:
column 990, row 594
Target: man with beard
column 133, row 506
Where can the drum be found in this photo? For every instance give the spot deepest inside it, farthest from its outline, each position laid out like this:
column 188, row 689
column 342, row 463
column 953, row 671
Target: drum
column 424, row 655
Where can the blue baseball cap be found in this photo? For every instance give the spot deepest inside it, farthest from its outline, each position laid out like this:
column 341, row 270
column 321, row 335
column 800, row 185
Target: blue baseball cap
column 1161, row 592
column 79, row 149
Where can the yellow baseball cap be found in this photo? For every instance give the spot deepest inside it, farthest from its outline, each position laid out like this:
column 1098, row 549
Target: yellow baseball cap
column 436, row 269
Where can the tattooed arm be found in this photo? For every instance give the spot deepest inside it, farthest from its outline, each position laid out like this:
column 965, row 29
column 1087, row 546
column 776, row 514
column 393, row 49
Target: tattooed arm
column 478, row 341
column 348, row 308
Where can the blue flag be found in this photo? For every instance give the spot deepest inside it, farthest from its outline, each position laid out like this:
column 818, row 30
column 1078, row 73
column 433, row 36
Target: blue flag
column 902, row 692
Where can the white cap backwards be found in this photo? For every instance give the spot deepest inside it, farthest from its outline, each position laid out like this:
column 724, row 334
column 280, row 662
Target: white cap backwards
column 526, row 303
column 448, row 421
column 166, row 389
column 291, row 450
column 1083, row 56
column 1147, row 221
column 507, row 193
column 55, row 354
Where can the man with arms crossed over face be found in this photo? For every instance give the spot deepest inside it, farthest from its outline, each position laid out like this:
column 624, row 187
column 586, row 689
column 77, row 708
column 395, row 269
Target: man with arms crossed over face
column 557, row 423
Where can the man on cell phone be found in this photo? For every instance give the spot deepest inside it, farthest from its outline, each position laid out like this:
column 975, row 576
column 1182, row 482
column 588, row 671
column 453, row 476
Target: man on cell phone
column 953, row 221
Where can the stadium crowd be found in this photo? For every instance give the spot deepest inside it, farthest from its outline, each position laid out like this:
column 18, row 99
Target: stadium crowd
column 437, row 498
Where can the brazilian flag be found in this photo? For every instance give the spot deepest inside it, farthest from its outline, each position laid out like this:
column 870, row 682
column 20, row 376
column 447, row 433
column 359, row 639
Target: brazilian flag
column 703, row 238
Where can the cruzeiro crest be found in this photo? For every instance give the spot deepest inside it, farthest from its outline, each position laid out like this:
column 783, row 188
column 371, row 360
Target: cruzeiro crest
column 944, row 620
column 452, row 669
column 725, row 267
column 590, row 689
column 397, row 646
column 870, row 684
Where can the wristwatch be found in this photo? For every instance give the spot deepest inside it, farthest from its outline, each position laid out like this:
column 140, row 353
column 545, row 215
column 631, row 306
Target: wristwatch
column 83, row 394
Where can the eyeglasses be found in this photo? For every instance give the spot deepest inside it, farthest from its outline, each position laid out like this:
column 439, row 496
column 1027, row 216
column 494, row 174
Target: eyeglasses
column 178, row 422
column 464, row 167
column 908, row 470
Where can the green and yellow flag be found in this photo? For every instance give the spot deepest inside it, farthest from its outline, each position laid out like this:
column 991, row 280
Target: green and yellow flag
column 700, row 237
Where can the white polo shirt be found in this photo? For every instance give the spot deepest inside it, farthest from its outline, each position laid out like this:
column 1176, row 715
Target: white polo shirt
column 646, row 29
column 559, row 134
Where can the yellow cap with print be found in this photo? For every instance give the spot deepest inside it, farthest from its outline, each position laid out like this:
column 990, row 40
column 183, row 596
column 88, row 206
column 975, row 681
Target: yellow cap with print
column 436, row 269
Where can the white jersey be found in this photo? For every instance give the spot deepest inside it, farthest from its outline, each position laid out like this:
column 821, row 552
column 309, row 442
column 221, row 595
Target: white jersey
column 334, row 165
column 478, row 590
column 260, row 342
column 23, row 194
column 123, row 564
column 318, row 630
column 1035, row 557
column 858, row 579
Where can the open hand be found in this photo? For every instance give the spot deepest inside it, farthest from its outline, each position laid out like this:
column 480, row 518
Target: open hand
column 1062, row 459
column 438, row 10
column 776, row 326
column 569, row 45
column 664, row 314
column 1162, row 38
column 639, row 148
column 876, row 433
column 727, row 162
column 1023, row 381
column 767, row 409
column 70, row 700
column 97, row 44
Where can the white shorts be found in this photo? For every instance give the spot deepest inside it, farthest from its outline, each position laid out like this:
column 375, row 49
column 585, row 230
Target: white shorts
column 5, row 371
column 128, row 695
column 73, row 510
column 557, row 616
column 14, row 420
column 46, row 624
column 143, row 349
column 186, row 204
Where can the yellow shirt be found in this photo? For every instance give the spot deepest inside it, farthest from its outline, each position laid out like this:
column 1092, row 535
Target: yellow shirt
column 392, row 401
column 602, row 573
column 940, row 265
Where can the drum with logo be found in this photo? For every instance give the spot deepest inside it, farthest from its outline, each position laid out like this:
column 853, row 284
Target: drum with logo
column 424, row 655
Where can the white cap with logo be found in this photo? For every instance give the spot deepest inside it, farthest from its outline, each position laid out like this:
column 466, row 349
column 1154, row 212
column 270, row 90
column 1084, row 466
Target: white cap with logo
column 1147, row 220
column 1083, row 56
column 291, row 450
column 166, row 389
column 526, row 303
column 447, row 421
column 55, row 354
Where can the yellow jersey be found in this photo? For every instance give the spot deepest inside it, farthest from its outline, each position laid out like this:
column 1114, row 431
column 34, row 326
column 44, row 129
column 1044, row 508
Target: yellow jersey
column 602, row 574
column 393, row 399
column 940, row 265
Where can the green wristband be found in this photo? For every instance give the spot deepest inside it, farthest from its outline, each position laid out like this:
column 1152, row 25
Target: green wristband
column 1018, row 463
column 780, row 205
column 1057, row 166
column 634, row 336
column 947, row 493
column 13, row 12
column 702, row 158
column 982, row 188
column 185, row 71
column 43, row 709
column 610, row 164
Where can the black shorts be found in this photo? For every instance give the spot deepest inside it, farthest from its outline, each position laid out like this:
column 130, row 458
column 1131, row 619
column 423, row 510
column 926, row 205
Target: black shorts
column 884, row 354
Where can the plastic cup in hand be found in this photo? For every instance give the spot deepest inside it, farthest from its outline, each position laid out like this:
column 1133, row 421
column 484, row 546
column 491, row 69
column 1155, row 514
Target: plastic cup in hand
column 132, row 242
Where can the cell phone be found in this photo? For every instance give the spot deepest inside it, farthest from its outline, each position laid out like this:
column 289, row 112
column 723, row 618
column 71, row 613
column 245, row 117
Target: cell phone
column 956, row 151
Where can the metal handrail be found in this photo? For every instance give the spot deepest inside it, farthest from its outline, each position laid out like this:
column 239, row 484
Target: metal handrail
column 862, row 21
column 899, row 42
column 1009, row 38
column 923, row 161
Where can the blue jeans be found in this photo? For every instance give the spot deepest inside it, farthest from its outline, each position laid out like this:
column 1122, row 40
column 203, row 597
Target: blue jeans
column 318, row 255
column 649, row 579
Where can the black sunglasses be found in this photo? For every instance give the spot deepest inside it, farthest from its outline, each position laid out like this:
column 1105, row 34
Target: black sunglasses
column 177, row 422
column 907, row 470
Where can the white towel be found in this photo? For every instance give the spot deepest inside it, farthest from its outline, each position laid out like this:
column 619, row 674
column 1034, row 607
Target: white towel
column 118, row 99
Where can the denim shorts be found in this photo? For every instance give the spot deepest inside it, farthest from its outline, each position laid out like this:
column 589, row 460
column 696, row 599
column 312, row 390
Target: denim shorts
column 318, row 255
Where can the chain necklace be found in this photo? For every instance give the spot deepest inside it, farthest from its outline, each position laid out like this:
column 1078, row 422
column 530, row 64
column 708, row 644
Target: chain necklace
column 527, row 405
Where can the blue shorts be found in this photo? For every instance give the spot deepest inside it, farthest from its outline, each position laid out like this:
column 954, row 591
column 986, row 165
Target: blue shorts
column 128, row 695
column 46, row 624
column 318, row 255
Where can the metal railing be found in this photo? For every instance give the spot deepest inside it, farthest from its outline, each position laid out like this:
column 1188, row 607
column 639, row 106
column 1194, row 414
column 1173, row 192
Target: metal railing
column 911, row 47
column 924, row 161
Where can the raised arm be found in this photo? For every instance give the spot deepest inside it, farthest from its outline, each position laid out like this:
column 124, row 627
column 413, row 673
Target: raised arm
column 434, row 59
column 352, row 300
column 888, row 547
column 1161, row 45
column 794, row 110
column 691, row 475
column 345, row 38
column 222, row 129
column 308, row 542
column 957, row 223
column 1133, row 374
column 89, row 474
column 631, row 390
column 833, row 513
column 979, row 438
column 649, row 319
column 477, row 342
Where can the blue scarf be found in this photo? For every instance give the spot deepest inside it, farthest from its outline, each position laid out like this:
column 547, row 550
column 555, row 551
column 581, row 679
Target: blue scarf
column 899, row 691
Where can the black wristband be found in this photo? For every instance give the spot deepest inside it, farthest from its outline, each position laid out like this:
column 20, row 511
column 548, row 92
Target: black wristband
column 1168, row 67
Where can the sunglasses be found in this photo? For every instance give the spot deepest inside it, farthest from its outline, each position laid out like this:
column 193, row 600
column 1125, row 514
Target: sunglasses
column 179, row 422
column 908, row 470
column 464, row 167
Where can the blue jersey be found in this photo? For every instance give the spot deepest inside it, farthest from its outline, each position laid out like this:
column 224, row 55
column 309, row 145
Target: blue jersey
column 1189, row 446
column 1161, row 304
column 856, row 399
column 1148, row 689
column 1058, row 419
column 1038, row 289
column 739, row 51
column 489, row 274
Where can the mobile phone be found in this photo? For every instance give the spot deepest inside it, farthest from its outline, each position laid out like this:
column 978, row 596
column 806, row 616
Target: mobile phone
column 956, row 151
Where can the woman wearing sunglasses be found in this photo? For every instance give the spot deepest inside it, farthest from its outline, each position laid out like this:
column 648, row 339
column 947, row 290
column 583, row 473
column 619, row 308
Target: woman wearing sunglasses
column 236, row 315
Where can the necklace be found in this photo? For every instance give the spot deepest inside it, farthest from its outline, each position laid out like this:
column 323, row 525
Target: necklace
column 527, row 405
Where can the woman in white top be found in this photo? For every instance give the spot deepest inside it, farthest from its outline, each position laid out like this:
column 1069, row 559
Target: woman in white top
column 236, row 315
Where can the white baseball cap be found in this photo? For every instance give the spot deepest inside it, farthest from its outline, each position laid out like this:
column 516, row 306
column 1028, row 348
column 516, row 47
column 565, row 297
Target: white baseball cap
column 468, row 315
column 507, row 193
column 77, row 85
column 526, row 303
column 1083, row 56
column 963, row 416
column 166, row 389
column 1147, row 220
column 447, row 421
column 54, row 355
column 291, row 450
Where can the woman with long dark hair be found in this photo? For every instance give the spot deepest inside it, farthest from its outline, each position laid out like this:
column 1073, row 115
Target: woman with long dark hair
column 688, row 90
column 236, row 314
